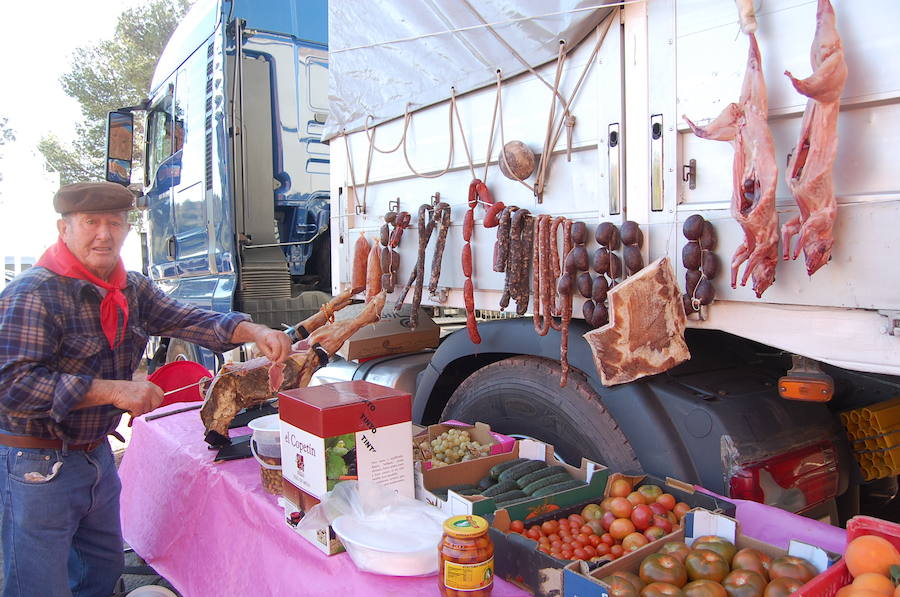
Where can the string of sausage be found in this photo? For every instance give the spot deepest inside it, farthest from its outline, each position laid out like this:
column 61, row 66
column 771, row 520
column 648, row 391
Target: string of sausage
column 477, row 191
column 390, row 258
column 417, row 276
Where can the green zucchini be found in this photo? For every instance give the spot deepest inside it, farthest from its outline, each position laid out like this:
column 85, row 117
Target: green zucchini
column 499, row 488
column 486, row 482
column 499, row 468
column 472, row 491
column 529, row 466
column 556, row 488
column 546, row 482
column 539, row 474
column 515, row 494
column 509, row 503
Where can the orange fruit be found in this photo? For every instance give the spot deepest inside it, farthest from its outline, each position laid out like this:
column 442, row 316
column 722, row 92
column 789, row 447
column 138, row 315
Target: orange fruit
column 869, row 553
column 872, row 581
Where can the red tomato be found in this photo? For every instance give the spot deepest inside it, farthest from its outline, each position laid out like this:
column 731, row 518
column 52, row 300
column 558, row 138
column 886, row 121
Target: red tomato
column 556, row 545
column 602, row 549
column 586, row 529
column 680, row 510
column 642, row 517
column 566, row 554
column 607, row 538
column 616, row 551
column 636, row 498
column 553, row 537
column 548, row 527
column 595, row 540
column 590, row 551
column 576, row 518
column 579, row 554
column 533, row 533
column 517, row 526
column 667, row 500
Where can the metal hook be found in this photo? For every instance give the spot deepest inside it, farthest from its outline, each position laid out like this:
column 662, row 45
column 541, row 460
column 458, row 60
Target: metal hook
column 394, row 205
column 436, row 198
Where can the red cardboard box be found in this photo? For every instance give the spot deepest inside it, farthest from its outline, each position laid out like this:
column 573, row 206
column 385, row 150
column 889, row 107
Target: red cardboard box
column 352, row 430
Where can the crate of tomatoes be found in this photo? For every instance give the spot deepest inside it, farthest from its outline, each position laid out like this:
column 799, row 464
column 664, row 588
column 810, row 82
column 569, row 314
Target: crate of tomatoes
column 707, row 556
column 534, row 544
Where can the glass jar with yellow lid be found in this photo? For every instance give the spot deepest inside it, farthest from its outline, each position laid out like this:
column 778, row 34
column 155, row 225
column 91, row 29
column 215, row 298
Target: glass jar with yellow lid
column 466, row 558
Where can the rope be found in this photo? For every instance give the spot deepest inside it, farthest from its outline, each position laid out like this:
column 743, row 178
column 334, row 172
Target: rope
column 372, row 135
column 446, row 169
column 548, row 135
column 462, row 133
column 490, row 147
column 352, row 176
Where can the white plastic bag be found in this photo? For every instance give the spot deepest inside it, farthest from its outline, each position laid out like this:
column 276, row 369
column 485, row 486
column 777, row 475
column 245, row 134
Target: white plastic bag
column 384, row 532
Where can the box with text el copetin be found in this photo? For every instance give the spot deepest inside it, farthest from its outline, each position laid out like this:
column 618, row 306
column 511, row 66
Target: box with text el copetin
column 334, row 432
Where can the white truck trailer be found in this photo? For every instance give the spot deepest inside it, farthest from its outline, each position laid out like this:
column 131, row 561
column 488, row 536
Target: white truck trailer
column 414, row 109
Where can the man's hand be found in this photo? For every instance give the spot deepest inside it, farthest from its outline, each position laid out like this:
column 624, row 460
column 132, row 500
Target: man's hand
column 138, row 397
column 274, row 344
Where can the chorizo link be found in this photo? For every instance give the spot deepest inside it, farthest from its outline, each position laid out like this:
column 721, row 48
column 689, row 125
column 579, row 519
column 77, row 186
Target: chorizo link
column 373, row 271
column 523, row 287
column 501, row 247
column 566, row 313
column 541, row 277
column 440, row 217
column 468, row 287
column 360, row 257
column 555, row 264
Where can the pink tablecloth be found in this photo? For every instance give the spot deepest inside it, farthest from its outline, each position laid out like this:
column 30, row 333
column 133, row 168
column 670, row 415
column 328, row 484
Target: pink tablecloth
column 210, row 529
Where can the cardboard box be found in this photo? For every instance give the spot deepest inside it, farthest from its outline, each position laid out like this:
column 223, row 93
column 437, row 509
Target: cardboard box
column 333, row 432
column 578, row 581
column 473, row 471
column 517, row 559
column 479, row 432
column 391, row 335
column 296, row 504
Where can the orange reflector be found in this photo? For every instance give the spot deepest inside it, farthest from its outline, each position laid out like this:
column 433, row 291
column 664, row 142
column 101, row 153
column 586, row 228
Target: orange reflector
column 810, row 389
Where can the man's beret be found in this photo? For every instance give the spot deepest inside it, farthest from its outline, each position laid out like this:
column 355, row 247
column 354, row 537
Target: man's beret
column 87, row 197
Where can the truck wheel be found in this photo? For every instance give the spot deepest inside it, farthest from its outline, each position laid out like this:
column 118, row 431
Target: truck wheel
column 521, row 396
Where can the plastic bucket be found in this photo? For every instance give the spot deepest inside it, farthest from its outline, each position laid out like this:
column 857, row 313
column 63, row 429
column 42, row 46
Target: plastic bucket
column 265, row 444
column 178, row 374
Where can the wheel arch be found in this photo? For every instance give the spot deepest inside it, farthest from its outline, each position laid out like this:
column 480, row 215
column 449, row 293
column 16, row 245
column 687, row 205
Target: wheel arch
column 457, row 358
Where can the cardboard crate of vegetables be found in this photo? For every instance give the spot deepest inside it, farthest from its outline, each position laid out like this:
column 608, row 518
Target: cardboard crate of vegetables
column 707, row 557
column 531, row 550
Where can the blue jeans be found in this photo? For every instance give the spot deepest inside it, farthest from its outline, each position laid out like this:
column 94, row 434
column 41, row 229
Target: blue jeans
column 60, row 525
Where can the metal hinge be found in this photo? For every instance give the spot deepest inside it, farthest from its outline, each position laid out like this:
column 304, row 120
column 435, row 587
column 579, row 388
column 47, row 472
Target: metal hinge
column 892, row 326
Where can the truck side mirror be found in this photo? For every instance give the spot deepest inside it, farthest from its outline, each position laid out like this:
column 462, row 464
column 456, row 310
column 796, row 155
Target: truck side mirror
column 119, row 147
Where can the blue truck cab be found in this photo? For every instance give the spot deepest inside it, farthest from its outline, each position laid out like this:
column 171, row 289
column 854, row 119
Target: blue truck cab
column 235, row 177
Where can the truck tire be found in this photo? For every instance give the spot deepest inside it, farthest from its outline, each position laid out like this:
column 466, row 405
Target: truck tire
column 521, row 395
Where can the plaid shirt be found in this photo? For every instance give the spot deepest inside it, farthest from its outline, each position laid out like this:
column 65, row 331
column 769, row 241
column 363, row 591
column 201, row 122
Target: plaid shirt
column 52, row 347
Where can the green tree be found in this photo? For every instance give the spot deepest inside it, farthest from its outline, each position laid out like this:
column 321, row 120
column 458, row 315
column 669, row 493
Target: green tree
column 107, row 75
column 7, row 135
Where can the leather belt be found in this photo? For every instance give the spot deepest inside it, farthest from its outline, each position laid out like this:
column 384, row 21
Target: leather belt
column 38, row 443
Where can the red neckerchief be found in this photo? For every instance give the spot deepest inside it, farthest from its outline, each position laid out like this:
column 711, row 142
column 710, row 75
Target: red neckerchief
column 59, row 260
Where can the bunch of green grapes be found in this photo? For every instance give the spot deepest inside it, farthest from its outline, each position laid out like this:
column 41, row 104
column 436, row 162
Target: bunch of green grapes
column 454, row 446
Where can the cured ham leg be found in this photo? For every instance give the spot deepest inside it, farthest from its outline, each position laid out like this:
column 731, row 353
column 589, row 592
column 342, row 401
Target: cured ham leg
column 809, row 170
column 755, row 175
column 239, row 385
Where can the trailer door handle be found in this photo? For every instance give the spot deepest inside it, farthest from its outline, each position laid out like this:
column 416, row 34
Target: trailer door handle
column 615, row 163
column 170, row 248
column 656, row 163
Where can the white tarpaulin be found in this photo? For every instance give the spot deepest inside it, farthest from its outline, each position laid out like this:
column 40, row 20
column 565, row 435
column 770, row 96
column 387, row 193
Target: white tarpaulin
column 385, row 55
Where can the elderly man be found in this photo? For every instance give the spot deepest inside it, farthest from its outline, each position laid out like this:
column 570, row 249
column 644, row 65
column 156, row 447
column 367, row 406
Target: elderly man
column 72, row 332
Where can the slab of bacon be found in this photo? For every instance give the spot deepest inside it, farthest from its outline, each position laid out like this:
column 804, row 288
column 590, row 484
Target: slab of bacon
column 809, row 169
column 745, row 125
column 239, row 385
